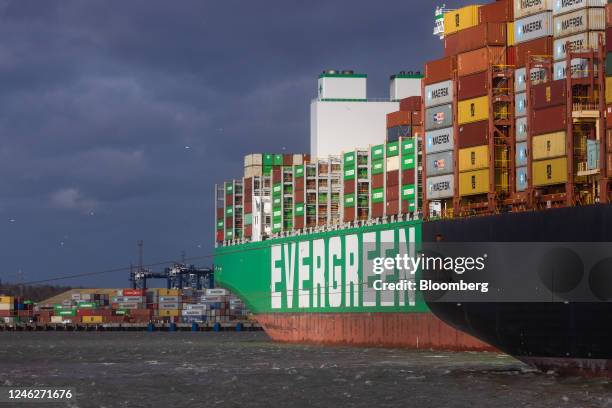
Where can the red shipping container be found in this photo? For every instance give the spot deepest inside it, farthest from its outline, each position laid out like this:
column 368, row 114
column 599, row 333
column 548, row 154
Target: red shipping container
column 541, row 46
column 609, row 139
column 548, row 120
column 609, row 39
column 480, row 60
column 277, row 175
column 229, row 199
column 398, row 118
column 378, row 180
column 248, row 207
column 609, row 164
column 410, row 104
column 417, row 131
column 510, row 55
column 306, row 158
column 393, row 178
column 392, row 193
column 133, row 292
column 299, row 222
column 392, row 207
column 287, row 159
column 472, row 86
column 349, row 214
column 219, row 236
column 496, row 12
column 229, row 222
column 6, row 313
column 548, row 94
column 408, row 177
column 609, row 15
column 349, row 186
column 417, row 118
column 220, row 213
column 248, row 230
column 248, row 186
column 473, row 134
column 439, row 70
column 299, row 184
column 609, row 115
column 299, row 196
column 473, row 38
column 405, row 207
column 378, row 209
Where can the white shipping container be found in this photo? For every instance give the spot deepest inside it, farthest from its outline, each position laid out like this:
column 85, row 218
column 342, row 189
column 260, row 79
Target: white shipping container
column 298, row 159
column 171, row 299
column 440, row 187
column 538, row 75
column 76, row 296
column 192, row 312
column 248, row 160
column 439, row 140
column 195, row 306
column 521, row 129
column 523, row 8
column 520, row 104
column 128, row 299
column 67, row 303
column 213, row 299
column 577, row 42
column 439, row 94
column 533, row 27
column 6, row 306
column 169, row 306
column 566, row 6
column 216, row 292
column 57, row 319
column 85, row 296
column 130, row 305
column 589, row 19
column 579, row 68
column 393, row 163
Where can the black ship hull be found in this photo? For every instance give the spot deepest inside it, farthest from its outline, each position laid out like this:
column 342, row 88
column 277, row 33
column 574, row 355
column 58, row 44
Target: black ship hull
column 567, row 337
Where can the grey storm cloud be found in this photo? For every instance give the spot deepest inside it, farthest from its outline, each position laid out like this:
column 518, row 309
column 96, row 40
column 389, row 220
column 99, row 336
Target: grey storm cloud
column 119, row 116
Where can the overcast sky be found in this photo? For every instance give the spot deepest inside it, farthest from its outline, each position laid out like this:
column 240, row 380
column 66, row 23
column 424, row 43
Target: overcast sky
column 117, row 117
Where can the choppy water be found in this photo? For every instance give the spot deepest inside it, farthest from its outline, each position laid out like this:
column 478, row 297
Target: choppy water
column 247, row 370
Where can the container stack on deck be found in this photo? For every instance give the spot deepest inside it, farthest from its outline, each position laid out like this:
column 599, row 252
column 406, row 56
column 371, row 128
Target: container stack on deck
column 512, row 116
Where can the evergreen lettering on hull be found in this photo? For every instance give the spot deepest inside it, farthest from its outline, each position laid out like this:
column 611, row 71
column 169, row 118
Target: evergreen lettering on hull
column 322, row 272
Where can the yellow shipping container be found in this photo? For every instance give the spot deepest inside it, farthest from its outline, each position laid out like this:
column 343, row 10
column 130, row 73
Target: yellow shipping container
column 92, row 319
column 552, row 171
column 608, row 89
column 548, row 145
column 473, row 110
column 169, row 312
column 474, row 182
column 472, row 158
column 168, row 292
column 510, row 34
column 460, row 19
column 6, row 299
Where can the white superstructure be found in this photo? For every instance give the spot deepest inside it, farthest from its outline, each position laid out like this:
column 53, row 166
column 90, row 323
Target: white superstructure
column 342, row 117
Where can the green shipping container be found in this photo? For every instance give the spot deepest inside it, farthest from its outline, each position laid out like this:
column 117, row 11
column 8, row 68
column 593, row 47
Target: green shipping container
column 377, row 152
column 408, row 146
column 277, row 212
column 277, row 189
column 268, row 159
column 219, row 224
column 378, row 195
column 392, row 149
column 122, row 312
column 349, row 159
column 322, row 198
column 407, row 162
column 609, row 64
column 298, row 171
column 229, row 188
column 267, row 170
column 248, row 219
column 378, row 167
column 87, row 305
column 276, row 201
column 229, row 234
column 277, row 226
column 349, row 173
column 229, row 211
column 299, row 209
column 71, row 312
column 278, row 159
column 408, row 192
column 58, row 307
column 349, row 200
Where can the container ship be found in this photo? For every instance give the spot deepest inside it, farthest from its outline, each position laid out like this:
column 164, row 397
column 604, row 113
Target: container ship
column 506, row 138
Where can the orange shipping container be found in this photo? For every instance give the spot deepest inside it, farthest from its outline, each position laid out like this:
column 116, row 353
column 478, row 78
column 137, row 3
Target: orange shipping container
column 496, row 12
column 398, row 118
column 411, row 104
column 493, row 34
column 480, row 60
column 439, row 70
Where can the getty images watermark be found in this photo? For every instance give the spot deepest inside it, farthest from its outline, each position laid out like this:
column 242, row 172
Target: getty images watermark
column 437, row 264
